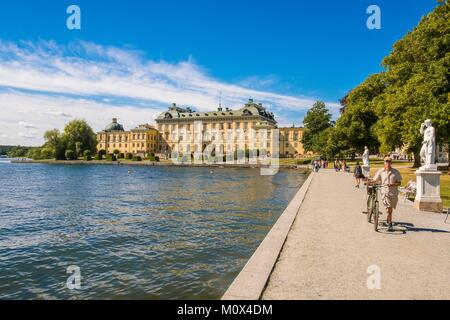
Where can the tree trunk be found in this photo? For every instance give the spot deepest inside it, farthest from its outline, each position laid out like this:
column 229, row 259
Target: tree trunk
column 417, row 162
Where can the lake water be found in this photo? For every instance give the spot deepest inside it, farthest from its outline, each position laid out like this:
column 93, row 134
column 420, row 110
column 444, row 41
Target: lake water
column 153, row 233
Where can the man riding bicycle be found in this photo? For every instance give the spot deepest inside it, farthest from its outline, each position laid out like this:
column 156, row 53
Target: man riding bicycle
column 390, row 179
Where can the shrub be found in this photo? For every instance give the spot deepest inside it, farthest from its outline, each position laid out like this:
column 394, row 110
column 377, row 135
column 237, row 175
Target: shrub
column 129, row 156
column 152, row 158
column 101, row 154
column 304, row 161
column 87, row 155
column 47, row 153
column 121, row 155
column 116, row 152
column 111, row 157
column 137, row 158
column 70, row 155
column 157, row 159
column 97, row 157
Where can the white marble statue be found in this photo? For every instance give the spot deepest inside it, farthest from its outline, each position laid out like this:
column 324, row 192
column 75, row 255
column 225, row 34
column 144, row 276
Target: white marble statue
column 428, row 151
column 365, row 157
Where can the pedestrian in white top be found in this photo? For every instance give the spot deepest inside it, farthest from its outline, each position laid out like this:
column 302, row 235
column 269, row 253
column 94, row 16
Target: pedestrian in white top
column 390, row 179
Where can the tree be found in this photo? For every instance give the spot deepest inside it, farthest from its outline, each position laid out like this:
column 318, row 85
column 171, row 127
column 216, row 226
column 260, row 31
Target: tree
column 87, row 155
column 18, row 152
column 80, row 136
column 356, row 124
column 418, row 85
column 316, row 121
column 55, row 144
column 386, row 110
column 70, row 154
column 101, row 154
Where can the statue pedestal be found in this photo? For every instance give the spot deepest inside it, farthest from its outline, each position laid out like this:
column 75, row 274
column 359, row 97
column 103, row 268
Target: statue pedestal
column 428, row 197
column 366, row 171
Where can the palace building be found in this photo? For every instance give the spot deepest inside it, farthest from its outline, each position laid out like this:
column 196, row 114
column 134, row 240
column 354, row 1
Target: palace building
column 183, row 131
column 142, row 140
column 221, row 131
column 291, row 145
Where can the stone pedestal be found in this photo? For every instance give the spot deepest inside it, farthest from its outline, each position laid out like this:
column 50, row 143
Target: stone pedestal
column 428, row 197
column 366, row 171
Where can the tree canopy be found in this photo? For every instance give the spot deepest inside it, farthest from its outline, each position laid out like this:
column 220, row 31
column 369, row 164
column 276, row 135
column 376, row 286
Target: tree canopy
column 386, row 110
column 317, row 120
column 77, row 137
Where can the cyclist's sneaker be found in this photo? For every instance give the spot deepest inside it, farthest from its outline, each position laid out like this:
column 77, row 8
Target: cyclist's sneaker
column 390, row 228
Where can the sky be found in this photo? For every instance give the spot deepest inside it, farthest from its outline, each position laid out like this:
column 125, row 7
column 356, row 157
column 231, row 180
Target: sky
column 132, row 59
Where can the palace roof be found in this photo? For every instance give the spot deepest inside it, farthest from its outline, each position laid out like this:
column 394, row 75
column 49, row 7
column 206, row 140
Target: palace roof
column 250, row 110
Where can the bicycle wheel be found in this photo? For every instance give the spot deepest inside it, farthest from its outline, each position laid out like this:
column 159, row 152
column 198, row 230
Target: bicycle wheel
column 369, row 209
column 376, row 215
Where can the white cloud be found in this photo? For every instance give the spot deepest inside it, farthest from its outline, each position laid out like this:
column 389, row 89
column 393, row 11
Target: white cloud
column 36, row 109
column 26, row 125
column 49, row 84
column 27, row 135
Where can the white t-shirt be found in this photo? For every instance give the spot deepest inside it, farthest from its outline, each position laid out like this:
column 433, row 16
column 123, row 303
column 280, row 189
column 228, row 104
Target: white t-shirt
column 388, row 177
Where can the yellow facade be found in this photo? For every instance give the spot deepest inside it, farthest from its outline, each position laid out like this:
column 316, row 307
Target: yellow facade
column 184, row 132
column 223, row 131
column 291, row 145
column 142, row 141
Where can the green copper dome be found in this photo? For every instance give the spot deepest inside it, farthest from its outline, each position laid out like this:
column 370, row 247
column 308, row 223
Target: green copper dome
column 114, row 126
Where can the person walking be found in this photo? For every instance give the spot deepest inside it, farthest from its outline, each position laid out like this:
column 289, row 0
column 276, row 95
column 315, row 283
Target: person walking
column 344, row 166
column 358, row 174
column 390, row 179
column 316, row 166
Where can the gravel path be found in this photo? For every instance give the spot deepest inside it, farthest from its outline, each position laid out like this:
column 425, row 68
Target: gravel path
column 331, row 246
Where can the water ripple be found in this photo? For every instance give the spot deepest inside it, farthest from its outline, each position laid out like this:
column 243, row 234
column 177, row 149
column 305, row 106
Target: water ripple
column 159, row 233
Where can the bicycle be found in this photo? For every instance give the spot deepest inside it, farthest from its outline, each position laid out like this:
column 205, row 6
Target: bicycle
column 373, row 205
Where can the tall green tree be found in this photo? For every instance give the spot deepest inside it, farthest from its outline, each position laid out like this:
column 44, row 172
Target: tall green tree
column 55, row 145
column 316, row 121
column 79, row 137
column 355, row 127
column 417, row 77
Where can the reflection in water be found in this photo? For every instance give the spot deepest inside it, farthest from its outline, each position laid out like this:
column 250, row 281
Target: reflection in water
column 158, row 233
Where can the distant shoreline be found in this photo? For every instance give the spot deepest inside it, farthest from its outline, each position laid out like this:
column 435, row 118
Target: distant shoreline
column 154, row 164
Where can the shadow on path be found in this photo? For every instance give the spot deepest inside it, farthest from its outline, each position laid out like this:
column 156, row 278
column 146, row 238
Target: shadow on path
column 405, row 227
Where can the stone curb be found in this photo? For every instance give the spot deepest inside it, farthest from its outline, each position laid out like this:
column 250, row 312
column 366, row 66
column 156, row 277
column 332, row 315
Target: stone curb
column 252, row 280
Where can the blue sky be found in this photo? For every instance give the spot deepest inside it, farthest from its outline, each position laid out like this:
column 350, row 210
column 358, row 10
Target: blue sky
column 134, row 57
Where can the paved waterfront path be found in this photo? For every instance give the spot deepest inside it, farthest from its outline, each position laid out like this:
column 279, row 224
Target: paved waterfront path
column 331, row 245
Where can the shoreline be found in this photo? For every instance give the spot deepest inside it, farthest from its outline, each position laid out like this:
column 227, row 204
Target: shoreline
column 304, row 168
